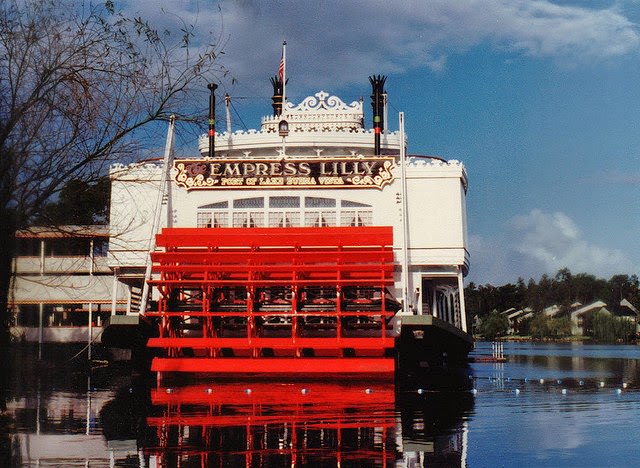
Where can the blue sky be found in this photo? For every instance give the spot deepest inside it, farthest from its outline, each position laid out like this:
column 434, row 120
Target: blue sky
column 539, row 99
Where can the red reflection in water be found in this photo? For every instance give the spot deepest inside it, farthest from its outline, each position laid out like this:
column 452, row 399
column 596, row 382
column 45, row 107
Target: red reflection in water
column 267, row 424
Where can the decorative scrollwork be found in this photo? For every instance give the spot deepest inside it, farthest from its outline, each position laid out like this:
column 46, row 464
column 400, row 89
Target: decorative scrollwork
column 383, row 177
column 193, row 175
column 323, row 101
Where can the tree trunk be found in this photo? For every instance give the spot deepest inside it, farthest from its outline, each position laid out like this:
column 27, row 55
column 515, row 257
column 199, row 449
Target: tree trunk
column 7, row 250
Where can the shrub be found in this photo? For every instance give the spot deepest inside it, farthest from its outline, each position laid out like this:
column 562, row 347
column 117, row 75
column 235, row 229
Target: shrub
column 607, row 328
column 542, row 326
column 494, row 325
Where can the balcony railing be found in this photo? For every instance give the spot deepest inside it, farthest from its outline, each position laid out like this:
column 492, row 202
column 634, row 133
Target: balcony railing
column 61, row 265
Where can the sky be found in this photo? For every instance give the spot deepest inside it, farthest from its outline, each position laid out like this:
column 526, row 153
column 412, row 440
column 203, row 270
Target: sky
column 539, row 99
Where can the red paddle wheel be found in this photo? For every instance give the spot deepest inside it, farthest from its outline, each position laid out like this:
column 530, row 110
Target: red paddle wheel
column 274, row 300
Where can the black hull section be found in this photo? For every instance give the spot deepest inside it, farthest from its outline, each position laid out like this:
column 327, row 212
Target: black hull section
column 428, row 343
column 425, row 347
column 126, row 339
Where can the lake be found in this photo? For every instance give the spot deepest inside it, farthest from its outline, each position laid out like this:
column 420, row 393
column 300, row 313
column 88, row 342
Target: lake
column 547, row 405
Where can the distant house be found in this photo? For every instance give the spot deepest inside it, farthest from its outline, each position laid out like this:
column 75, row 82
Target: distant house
column 577, row 312
column 578, row 315
column 551, row 311
column 476, row 323
column 63, row 289
column 516, row 317
column 625, row 310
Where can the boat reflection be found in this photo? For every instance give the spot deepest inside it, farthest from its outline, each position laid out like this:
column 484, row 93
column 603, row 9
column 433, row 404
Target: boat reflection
column 305, row 424
column 432, row 428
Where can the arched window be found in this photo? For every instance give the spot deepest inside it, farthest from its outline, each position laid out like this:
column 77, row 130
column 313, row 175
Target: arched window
column 214, row 215
column 355, row 214
column 248, row 212
column 284, row 211
column 319, row 212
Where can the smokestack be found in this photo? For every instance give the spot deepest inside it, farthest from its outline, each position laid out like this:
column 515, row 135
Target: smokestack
column 212, row 118
column 276, row 99
column 377, row 103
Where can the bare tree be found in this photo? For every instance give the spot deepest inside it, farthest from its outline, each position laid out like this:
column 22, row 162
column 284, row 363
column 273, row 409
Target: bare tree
column 77, row 86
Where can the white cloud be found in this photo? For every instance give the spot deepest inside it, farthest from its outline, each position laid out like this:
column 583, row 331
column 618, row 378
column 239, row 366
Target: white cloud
column 540, row 242
column 337, row 41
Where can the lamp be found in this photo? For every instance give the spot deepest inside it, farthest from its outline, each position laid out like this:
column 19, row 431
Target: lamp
column 283, row 128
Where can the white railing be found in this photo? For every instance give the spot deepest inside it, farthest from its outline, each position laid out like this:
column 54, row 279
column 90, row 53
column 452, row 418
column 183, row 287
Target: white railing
column 60, row 265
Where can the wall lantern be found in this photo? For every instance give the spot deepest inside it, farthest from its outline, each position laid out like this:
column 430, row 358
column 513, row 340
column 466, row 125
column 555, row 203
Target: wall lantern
column 283, row 128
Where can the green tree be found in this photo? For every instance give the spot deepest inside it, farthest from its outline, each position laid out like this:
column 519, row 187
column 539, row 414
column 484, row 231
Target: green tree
column 521, row 288
column 494, row 325
column 622, row 287
column 539, row 326
column 544, row 293
column 524, row 326
column 542, row 327
column 564, row 282
column 559, row 327
column 510, row 295
column 79, row 202
column 610, row 329
column 586, row 288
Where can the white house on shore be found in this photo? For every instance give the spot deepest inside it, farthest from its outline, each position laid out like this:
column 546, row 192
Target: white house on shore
column 577, row 313
column 63, row 289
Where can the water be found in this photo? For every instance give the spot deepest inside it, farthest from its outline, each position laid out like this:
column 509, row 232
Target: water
column 548, row 405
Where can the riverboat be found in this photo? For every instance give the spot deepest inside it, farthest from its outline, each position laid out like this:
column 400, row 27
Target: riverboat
column 312, row 246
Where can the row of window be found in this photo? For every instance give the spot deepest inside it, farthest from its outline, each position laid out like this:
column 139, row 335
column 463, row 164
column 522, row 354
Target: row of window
column 62, row 246
column 285, row 202
column 285, row 212
column 62, row 315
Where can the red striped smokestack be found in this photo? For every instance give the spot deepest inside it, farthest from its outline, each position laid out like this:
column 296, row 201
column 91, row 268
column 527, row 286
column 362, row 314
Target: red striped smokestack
column 377, row 103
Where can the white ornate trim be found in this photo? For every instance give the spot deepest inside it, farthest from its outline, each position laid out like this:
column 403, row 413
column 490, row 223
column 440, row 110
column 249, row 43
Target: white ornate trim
column 143, row 171
column 319, row 113
column 427, row 168
column 265, row 144
column 323, row 101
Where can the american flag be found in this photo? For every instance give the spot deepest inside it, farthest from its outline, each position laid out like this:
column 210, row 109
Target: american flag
column 281, row 69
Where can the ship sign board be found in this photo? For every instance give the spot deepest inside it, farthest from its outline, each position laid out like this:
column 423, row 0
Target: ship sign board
column 349, row 172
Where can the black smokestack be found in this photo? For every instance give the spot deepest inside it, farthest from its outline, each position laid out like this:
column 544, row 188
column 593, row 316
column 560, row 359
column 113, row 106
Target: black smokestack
column 276, row 82
column 377, row 103
column 212, row 118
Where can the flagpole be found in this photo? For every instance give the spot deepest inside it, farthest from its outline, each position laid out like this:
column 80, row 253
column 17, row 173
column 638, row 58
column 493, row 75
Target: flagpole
column 284, row 75
column 406, row 299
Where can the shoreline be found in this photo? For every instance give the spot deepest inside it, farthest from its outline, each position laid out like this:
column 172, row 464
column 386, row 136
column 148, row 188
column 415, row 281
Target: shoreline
column 569, row 339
